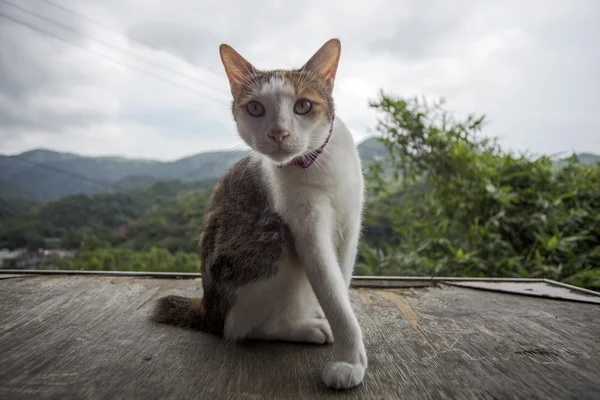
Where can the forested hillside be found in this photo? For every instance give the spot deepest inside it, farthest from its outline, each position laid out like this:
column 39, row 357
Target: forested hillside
column 47, row 175
column 445, row 201
column 72, row 217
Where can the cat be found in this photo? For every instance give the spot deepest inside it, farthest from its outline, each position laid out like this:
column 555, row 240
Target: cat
column 281, row 232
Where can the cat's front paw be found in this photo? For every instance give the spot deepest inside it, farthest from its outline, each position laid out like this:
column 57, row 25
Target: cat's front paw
column 348, row 373
column 343, row 375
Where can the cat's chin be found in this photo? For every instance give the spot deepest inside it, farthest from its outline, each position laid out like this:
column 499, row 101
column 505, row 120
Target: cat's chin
column 280, row 156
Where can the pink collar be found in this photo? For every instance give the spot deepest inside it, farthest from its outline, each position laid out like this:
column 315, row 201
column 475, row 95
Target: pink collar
column 306, row 160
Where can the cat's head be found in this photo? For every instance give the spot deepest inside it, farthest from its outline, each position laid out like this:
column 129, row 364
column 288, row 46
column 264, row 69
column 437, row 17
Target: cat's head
column 283, row 114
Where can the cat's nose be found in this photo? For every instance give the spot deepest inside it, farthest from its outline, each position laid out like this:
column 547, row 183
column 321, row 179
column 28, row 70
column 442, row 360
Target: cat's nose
column 279, row 136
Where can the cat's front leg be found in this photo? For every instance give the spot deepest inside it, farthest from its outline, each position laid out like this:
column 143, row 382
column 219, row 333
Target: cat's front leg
column 315, row 248
column 349, row 249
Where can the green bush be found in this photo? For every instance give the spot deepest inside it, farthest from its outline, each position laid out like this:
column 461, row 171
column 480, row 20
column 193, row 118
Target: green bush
column 460, row 205
column 123, row 259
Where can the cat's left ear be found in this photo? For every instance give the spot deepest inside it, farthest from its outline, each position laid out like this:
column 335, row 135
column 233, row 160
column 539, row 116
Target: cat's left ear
column 325, row 61
column 237, row 68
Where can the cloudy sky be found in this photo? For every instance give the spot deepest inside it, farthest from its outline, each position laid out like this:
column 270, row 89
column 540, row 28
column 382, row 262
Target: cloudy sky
column 143, row 78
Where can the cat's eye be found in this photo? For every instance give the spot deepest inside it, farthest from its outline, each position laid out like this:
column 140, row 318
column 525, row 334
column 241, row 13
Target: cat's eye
column 302, row 106
column 255, row 109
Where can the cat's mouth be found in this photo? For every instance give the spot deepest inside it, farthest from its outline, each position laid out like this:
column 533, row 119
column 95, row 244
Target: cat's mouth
column 281, row 155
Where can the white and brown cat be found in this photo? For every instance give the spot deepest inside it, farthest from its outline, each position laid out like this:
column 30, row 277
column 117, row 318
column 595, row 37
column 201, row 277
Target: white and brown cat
column 284, row 223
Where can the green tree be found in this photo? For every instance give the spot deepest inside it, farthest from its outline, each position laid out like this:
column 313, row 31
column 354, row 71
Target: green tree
column 123, row 259
column 460, row 205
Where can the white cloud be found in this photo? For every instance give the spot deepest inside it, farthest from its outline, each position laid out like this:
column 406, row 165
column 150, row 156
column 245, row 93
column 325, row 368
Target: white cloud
column 532, row 71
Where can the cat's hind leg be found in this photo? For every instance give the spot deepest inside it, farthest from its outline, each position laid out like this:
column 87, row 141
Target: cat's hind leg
column 281, row 307
column 313, row 330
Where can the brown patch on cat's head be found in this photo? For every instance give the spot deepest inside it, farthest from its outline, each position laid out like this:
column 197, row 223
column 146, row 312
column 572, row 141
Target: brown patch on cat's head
column 324, row 62
column 237, row 68
column 313, row 81
column 308, row 85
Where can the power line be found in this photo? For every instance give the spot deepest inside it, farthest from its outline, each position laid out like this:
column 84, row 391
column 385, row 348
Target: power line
column 102, row 54
column 65, row 27
column 108, row 28
column 111, row 29
column 80, row 15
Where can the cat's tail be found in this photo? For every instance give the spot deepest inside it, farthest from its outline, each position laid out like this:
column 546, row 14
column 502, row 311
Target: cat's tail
column 181, row 311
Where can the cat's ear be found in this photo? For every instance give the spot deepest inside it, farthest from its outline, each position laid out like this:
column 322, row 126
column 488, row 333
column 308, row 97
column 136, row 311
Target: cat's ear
column 325, row 61
column 237, row 68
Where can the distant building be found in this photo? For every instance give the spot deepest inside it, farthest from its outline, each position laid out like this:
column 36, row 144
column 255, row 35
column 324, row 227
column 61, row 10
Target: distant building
column 59, row 254
column 23, row 259
column 10, row 259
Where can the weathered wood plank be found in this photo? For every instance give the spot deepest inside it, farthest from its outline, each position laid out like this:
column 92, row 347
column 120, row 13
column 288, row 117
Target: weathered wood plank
column 89, row 337
column 8, row 276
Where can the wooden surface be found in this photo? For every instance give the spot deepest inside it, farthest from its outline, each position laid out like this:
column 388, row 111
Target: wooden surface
column 89, row 337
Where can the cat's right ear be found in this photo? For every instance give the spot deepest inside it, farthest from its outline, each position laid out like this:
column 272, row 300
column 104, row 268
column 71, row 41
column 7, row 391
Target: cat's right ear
column 325, row 61
column 237, row 68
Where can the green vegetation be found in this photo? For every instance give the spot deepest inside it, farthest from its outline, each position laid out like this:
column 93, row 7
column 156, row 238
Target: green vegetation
column 13, row 207
column 445, row 201
column 175, row 226
column 119, row 259
column 466, row 207
column 98, row 217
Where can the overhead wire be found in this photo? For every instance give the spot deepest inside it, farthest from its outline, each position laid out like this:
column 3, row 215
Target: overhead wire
column 100, row 41
column 103, row 54
column 116, row 32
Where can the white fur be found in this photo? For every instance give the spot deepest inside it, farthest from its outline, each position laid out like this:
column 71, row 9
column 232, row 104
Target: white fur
column 278, row 100
column 323, row 207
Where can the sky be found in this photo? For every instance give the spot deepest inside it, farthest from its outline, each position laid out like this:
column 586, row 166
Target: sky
column 143, row 78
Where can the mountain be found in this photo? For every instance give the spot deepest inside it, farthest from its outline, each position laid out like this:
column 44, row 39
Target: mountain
column 46, row 175
column 588, row 158
column 371, row 149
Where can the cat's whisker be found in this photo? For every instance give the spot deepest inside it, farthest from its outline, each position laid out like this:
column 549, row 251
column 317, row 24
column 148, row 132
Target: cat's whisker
column 244, row 171
column 221, row 154
column 233, row 172
column 320, row 162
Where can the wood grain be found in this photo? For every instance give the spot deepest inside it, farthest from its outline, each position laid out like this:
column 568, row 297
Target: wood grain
column 89, row 337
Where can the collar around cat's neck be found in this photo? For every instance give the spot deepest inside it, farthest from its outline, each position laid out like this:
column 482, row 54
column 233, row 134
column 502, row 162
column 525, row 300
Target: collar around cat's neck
column 306, row 160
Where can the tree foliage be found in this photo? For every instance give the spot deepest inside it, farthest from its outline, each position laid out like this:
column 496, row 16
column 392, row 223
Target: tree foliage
column 460, row 205
column 122, row 259
column 71, row 218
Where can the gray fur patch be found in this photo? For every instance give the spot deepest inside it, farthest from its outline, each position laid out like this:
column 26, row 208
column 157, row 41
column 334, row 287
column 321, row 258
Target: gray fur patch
column 243, row 237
